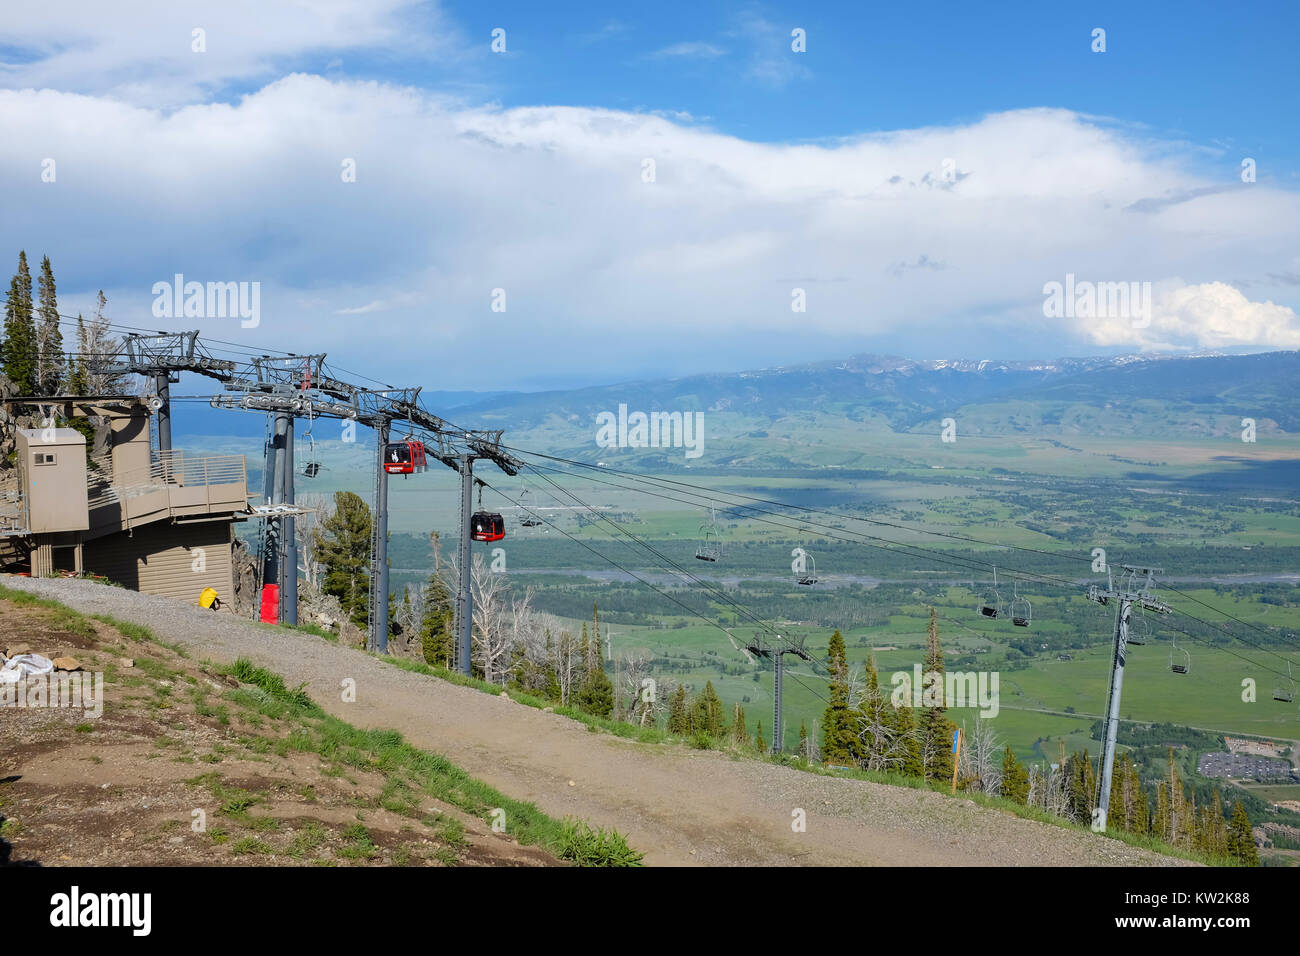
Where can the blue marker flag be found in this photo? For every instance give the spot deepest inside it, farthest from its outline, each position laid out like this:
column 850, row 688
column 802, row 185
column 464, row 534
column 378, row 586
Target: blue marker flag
column 954, row 740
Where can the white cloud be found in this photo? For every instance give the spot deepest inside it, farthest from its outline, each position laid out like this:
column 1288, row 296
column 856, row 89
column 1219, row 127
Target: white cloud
column 605, row 273
column 1206, row 315
column 690, row 49
column 143, row 51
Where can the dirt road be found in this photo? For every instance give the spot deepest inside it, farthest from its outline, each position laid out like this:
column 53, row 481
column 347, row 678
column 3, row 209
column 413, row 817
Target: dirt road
column 679, row 806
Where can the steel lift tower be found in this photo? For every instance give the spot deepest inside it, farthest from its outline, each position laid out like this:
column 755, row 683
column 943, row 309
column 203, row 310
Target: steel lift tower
column 288, row 386
column 778, row 663
column 1134, row 588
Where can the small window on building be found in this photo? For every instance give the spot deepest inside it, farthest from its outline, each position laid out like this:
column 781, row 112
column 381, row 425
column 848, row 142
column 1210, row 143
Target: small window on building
column 45, row 458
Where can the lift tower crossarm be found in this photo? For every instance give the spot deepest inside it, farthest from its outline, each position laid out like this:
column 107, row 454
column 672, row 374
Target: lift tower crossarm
column 1134, row 588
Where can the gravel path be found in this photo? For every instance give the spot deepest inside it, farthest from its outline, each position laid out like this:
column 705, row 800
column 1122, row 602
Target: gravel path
column 680, row 806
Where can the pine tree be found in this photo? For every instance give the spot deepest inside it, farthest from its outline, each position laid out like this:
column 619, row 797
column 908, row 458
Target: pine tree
column 437, row 625
column 595, row 657
column 1241, row 838
column 759, row 744
column 49, row 340
column 904, row 720
column 679, row 721
column 936, row 728
column 1015, row 778
column 1160, row 824
column 596, row 695
column 706, row 713
column 343, row 550
column 18, row 360
column 738, row 732
column 1083, row 786
column 837, row 722
column 1216, row 843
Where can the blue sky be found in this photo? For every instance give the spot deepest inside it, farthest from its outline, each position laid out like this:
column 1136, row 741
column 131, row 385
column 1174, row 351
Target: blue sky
column 1214, row 74
column 919, row 177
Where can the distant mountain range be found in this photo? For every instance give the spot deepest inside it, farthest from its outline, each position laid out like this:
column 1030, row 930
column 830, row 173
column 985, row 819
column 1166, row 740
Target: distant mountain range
column 1137, row 395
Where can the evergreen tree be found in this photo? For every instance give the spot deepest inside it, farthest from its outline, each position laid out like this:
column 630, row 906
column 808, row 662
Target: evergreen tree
column 904, row 720
column 936, row 728
column 679, row 721
column 1015, row 778
column 1160, row 824
column 1083, row 786
column 343, row 551
column 1216, row 843
column 437, row 624
column 837, row 722
column 596, row 695
column 706, row 713
column 19, row 353
column 49, row 340
column 1241, row 838
column 759, row 743
column 738, row 733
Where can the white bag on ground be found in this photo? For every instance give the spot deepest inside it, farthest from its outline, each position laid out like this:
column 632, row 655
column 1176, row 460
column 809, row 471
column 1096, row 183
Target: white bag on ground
column 24, row 665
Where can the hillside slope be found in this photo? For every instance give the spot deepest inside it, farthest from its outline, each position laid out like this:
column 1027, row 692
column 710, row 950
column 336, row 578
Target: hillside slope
column 680, row 806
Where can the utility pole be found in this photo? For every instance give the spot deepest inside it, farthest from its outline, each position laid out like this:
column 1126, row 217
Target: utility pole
column 1134, row 588
column 378, row 642
column 778, row 663
column 464, row 600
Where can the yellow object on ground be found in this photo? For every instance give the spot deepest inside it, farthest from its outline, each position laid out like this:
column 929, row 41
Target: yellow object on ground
column 208, row 598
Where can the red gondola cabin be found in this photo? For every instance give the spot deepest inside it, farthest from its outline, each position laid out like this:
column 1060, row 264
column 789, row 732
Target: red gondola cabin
column 404, row 457
column 484, row 526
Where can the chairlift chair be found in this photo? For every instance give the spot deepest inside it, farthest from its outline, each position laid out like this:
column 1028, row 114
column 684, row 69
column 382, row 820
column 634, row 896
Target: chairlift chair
column 529, row 520
column 991, row 604
column 809, row 576
column 1021, row 612
column 1139, row 630
column 1285, row 695
column 709, row 548
column 311, row 466
column 1185, row 666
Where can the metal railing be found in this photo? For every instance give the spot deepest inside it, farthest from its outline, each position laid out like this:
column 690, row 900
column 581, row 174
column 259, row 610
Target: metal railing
column 166, row 469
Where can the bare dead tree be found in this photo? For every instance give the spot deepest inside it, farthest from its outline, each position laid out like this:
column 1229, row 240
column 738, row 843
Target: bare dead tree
column 568, row 664
column 306, row 531
column 492, row 642
column 979, row 764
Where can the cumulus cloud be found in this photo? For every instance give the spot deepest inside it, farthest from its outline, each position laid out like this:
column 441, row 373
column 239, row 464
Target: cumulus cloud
column 606, row 274
column 1205, row 315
